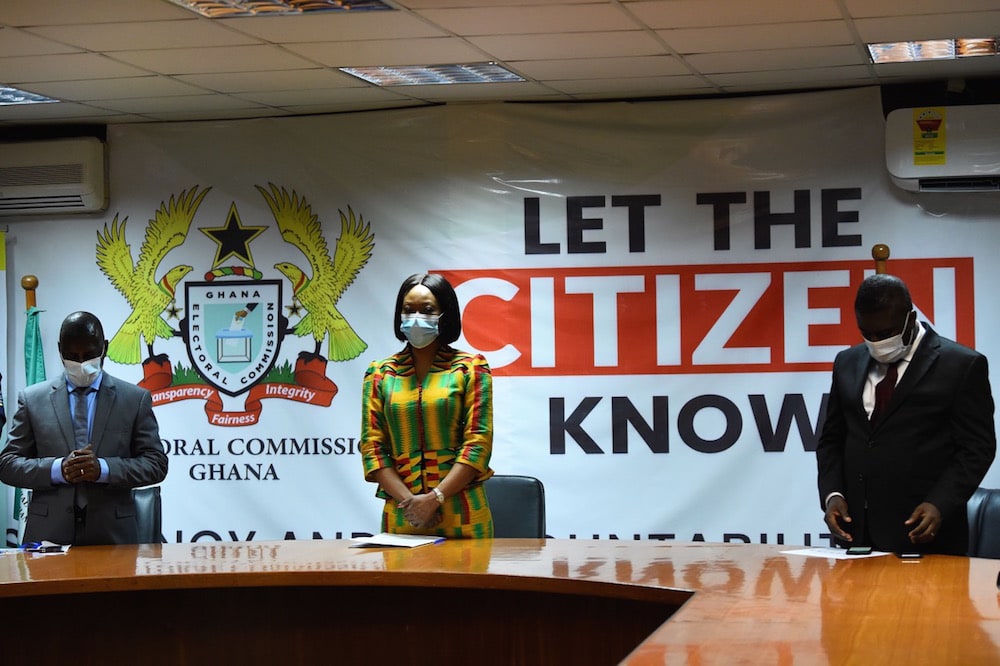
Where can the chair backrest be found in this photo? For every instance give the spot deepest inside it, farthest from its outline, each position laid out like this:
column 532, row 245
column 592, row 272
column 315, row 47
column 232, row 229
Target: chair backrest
column 984, row 523
column 148, row 514
column 518, row 506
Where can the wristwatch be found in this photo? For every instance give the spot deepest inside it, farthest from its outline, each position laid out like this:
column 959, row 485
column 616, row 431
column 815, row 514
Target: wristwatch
column 439, row 495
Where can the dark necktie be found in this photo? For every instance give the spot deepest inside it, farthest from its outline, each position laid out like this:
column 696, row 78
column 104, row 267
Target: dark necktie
column 81, row 433
column 883, row 392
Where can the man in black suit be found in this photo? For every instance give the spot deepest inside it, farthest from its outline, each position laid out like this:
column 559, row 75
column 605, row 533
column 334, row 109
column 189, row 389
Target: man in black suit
column 898, row 477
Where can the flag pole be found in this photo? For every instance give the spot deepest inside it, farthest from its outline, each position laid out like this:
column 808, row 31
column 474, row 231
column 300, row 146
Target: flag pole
column 34, row 371
column 29, row 283
column 880, row 253
column 34, row 355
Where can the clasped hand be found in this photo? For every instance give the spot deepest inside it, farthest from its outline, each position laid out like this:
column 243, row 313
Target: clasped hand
column 81, row 465
column 421, row 510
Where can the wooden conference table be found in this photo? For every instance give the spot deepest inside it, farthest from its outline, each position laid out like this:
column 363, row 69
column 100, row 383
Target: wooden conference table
column 508, row 601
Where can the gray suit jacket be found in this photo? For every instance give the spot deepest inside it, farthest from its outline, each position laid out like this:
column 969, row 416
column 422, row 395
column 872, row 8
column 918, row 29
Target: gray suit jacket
column 124, row 433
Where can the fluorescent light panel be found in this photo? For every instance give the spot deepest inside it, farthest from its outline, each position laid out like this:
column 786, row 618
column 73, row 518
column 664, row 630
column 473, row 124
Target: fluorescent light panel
column 424, row 75
column 10, row 96
column 233, row 8
column 933, row 49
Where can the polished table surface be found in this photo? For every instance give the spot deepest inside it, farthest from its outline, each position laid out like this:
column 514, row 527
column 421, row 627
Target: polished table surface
column 723, row 603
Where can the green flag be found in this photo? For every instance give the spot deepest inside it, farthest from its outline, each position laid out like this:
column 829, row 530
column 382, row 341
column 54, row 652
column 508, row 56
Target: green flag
column 34, row 355
column 34, row 372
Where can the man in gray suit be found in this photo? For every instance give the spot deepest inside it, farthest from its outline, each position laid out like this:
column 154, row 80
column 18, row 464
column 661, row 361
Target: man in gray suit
column 81, row 443
column 896, row 471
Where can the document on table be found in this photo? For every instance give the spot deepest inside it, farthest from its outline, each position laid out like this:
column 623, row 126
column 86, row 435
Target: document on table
column 832, row 553
column 395, row 540
column 38, row 548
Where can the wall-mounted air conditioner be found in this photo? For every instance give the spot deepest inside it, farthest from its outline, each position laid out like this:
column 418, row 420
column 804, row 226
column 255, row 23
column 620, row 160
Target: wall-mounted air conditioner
column 57, row 176
column 944, row 148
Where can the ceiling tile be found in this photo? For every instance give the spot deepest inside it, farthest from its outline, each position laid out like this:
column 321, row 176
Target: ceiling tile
column 811, row 75
column 533, row 19
column 147, row 35
column 335, row 27
column 14, row 42
column 294, row 79
column 432, row 51
column 600, row 68
column 750, row 61
column 73, row 12
column 91, row 89
column 937, row 26
column 795, row 87
column 217, row 59
column 627, row 86
column 640, row 95
column 452, row 4
column 287, row 98
column 222, row 115
column 112, row 50
column 574, row 45
column 179, row 103
column 63, row 68
column 755, row 37
column 666, row 14
column 941, row 69
column 351, row 106
column 58, row 110
column 870, row 8
column 475, row 91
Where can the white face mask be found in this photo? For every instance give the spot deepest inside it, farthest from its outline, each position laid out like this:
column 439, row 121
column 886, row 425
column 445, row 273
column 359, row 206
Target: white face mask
column 419, row 329
column 891, row 349
column 82, row 374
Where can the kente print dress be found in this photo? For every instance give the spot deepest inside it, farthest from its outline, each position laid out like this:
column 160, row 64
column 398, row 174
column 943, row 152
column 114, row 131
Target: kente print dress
column 423, row 430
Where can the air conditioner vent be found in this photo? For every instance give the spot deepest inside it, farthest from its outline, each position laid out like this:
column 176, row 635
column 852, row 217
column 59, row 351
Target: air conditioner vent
column 54, row 174
column 981, row 184
column 67, row 202
column 944, row 148
column 59, row 176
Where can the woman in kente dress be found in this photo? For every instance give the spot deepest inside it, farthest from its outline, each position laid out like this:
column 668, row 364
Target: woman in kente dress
column 427, row 420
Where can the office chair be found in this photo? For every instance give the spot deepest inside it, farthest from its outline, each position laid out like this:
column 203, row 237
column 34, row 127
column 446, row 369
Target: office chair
column 148, row 514
column 984, row 523
column 518, row 506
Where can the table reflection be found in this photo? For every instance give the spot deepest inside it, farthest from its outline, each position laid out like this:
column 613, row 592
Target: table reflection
column 866, row 603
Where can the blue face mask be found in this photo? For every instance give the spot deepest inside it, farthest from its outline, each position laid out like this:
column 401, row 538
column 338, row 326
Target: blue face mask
column 419, row 329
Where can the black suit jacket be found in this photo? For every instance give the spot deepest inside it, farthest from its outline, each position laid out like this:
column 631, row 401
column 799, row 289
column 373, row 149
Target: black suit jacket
column 934, row 444
column 124, row 433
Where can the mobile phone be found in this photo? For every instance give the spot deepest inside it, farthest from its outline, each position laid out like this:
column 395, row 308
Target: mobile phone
column 859, row 550
column 909, row 556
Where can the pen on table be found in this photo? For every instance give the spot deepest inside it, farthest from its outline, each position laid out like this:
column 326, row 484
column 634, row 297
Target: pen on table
column 38, row 547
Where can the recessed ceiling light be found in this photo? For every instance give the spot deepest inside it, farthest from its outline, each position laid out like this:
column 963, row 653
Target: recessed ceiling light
column 424, row 75
column 932, row 49
column 9, row 96
column 233, row 8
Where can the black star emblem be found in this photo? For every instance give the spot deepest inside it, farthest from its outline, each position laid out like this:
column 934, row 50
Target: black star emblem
column 294, row 309
column 233, row 238
column 173, row 311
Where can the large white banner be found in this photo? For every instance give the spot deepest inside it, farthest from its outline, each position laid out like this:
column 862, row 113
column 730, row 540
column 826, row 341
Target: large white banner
column 660, row 289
